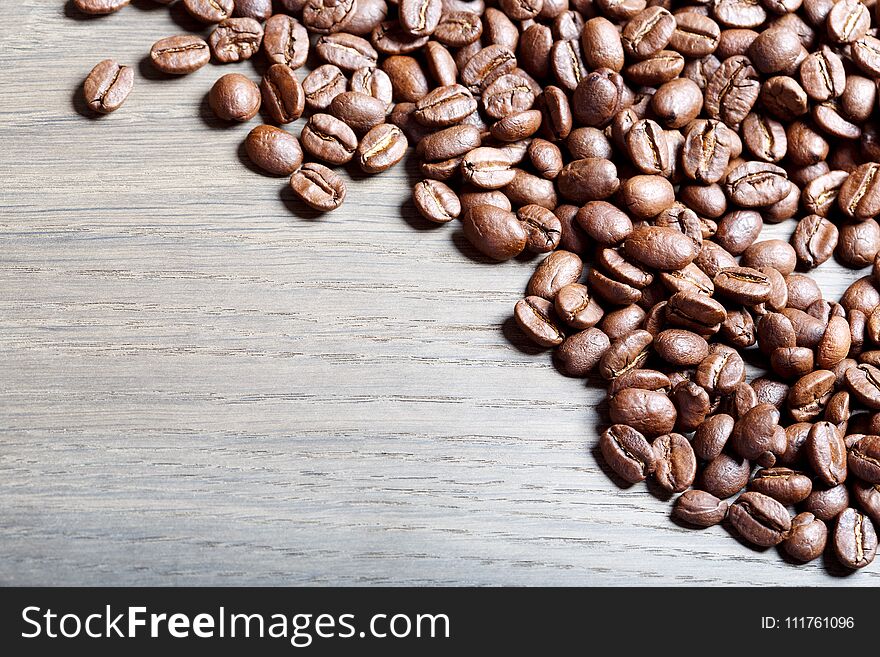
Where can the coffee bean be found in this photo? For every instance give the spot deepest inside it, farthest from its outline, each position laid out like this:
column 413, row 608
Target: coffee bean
column 647, row 411
column 848, row 21
column 807, row 539
column 732, row 91
column 209, row 11
column 543, row 227
column 576, row 307
column 602, row 45
column 675, row 463
column 556, row 271
column 420, row 17
column 107, row 86
column 660, row 248
column 257, row 9
column 282, row 94
column 318, row 187
column 699, row 508
column 579, row 354
column 760, row 519
column 725, row 475
column 495, row 232
column 625, row 354
column 859, row 196
column 436, row 201
column 274, row 150
column 589, row 179
column 322, row 85
column 864, row 459
column 381, row 148
column 536, row 320
column 782, row 484
column 236, row 39
column 285, row 41
column 347, row 51
column 743, row 285
column 757, row 434
column 814, row 240
column 868, row 497
column 826, row 452
column 705, row 152
column 329, row 139
column 712, row 435
column 98, row 7
column 695, row 312
column 855, row 539
column 328, row 16
column 646, row 196
column 445, row 106
column 179, row 55
column 627, row 452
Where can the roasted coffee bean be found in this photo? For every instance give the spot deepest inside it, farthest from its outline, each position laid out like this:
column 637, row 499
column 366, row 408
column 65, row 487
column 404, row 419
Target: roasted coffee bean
column 868, row 497
column 285, row 41
column 322, row 85
column 627, row 353
column 675, row 465
column 179, row 55
column 770, row 253
column 738, row 329
column 760, row 519
column 648, row 32
column 720, row 372
column 809, row 395
column 705, row 152
column 535, row 317
column 445, row 106
column 579, row 354
column 360, row 112
column 598, row 97
column 732, row 91
column 328, row 16
column 699, row 508
column 318, row 187
column 712, row 435
column 782, row 484
column 713, row 258
column 835, row 343
column 681, row 348
column 826, row 452
column 814, row 240
column 757, row 434
column 543, row 227
column 695, row 312
column 743, row 285
column 486, row 66
column 209, row 11
column 282, row 94
column 576, row 307
column 859, row 196
column 390, row 38
column 660, row 248
column 236, row 39
column 420, row 17
column 347, row 51
column 258, row 9
column 526, row 188
column 855, row 539
column 107, row 86
column 864, row 459
column 235, row 98
column 381, row 148
column 546, row 157
column 725, row 475
column 627, row 452
column 274, row 150
column 677, row 102
column 647, row 411
column 98, row 7
column 848, row 21
column 495, row 232
column 863, row 382
column 807, row 539
column 783, row 97
column 641, row 378
column 647, row 147
column 602, row 45
column 436, row 202
column 487, row 168
column 756, row 184
column 329, row 139
column 556, row 271
column 694, row 35
column 567, row 64
column 692, row 403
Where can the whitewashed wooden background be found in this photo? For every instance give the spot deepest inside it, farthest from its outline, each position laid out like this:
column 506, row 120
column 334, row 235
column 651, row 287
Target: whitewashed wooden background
column 201, row 383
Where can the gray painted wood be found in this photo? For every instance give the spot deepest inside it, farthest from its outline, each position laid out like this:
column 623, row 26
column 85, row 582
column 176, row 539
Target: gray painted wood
column 203, row 384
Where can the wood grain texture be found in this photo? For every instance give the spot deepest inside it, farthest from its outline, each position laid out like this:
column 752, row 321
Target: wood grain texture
column 204, row 384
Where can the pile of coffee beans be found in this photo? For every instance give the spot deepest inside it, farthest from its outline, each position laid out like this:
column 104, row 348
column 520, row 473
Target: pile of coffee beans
column 642, row 145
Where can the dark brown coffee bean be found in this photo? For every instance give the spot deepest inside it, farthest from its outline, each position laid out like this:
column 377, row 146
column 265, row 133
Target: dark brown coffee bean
column 487, row 168
column 859, row 195
column 705, row 153
column 328, row 16
column 725, row 475
column 407, row 79
column 347, row 51
column 579, row 354
column 699, row 508
column 381, row 148
column 517, row 127
column 756, row 184
column 499, row 29
column 648, row 32
column 107, row 86
column 647, row 411
column 739, row 13
column 486, row 66
column 589, row 179
column 454, row 141
column 420, row 17
column 647, row 147
column 814, row 240
column 782, row 484
column 567, row 64
column 783, row 97
column 720, row 372
column 282, row 94
column 743, row 285
column 807, row 538
column 848, row 21
column 440, row 63
column 855, row 539
column 576, row 307
column 99, row 7
column 535, row 316
column 760, row 519
column 179, row 55
column 627, row 452
column 286, row 41
column 209, row 11
column 675, row 463
column 602, row 46
column 546, row 157
column 827, row 503
column 677, row 102
column 640, row 378
column 556, row 112
column 826, row 452
column 660, row 248
column 695, row 312
column 598, row 97
column 435, row 201
column 318, row 187
column 543, row 227
column 809, row 395
column 863, row 382
column 236, row 39
column 758, row 433
column 329, row 139
column 864, row 459
column 322, row 85
column 360, row 112
column 681, row 348
column 508, row 94
column 764, row 137
column 274, row 150
column 866, row 54
column 732, row 91
column 627, row 353
column 656, row 70
column 445, row 106
column 556, row 271
column 692, row 403
column 604, row 222
column 526, row 188
column 257, row 9
column 235, row 98
column 712, row 435
column 495, row 232
column 694, row 35
column 389, row 38
column 868, row 497
column 646, row 196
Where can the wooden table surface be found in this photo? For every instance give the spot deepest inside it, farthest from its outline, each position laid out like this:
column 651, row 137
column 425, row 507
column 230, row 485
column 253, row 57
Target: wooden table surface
column 202, row 383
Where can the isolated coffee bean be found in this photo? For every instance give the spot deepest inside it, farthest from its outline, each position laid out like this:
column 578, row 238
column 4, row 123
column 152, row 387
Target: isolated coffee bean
column 274, row 150
column 107, row 86
column 318, row 187
column 535, row 318
column 807, row 539
column 855, row 539
column 627, row 452
column 179, row 55
column 699, row 508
